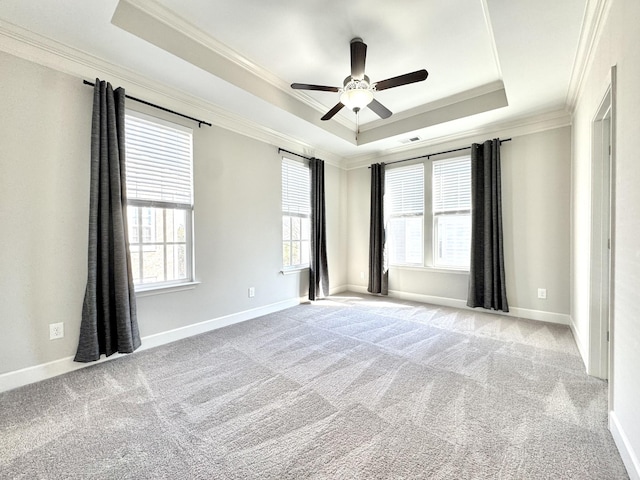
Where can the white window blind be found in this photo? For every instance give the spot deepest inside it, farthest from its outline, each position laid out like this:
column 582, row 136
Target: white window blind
column 452, row 185
column 405, row 190
column 296, row 211
column 158, row 162
column 159, row 201
column 404, row 209
column 296, row 179
column 452, row 212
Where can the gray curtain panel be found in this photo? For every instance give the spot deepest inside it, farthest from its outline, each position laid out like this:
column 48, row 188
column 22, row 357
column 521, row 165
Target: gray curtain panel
column 109, row 321
column 318, row 270
column 378, row 272
column 487, row 284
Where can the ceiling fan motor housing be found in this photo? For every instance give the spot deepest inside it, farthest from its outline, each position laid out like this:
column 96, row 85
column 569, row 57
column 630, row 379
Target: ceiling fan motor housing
column 357, row 91
column 356, row 94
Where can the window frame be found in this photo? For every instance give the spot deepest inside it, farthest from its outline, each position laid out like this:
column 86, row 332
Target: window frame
column 303, row 212
column 390, row 216
column 429, row 224
column 155, row 205
column 448, row 213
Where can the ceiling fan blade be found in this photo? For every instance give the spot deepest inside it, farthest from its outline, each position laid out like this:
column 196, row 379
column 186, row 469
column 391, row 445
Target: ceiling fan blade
column 333, row 111
column 358, row 58
column 306, row 86
column 379, row 109
column 407, row 78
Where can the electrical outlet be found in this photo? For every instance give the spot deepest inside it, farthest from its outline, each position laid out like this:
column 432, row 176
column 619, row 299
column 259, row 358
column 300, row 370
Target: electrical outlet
column 56, row 330
column 361, row 275
column 542, row 293
column 252, row 292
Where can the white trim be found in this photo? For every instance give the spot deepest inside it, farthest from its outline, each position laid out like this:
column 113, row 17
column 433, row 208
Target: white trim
column 595, row 15
column 601, row 227
column 421, row 268
column 493, row 90
column 629, row 457
column 513, row 128
column 36, row 373
column 156, row 24
column 294, row 271
column 35, row 48
column 162, row 289
column 138, row 21
column 584, row 352
column 168, row 17
column 489, row 27
column 332, row 291
column 539, row 315
column 338, row 289
column 30, row 46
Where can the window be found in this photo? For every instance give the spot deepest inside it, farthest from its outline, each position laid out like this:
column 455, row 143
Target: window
column 159, row 200
column 452, row 213
column 296, row 210
column 404, row 204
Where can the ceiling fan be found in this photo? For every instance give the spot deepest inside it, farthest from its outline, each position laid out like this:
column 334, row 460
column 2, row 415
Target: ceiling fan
column 357, row 91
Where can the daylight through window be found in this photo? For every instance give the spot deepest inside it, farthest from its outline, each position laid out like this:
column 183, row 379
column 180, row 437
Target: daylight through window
column 452, row 213
column 296, row 211
column 159, row 159
column 404, row 208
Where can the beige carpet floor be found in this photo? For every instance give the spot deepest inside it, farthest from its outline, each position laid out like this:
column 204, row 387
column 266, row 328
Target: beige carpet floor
column 354, row 387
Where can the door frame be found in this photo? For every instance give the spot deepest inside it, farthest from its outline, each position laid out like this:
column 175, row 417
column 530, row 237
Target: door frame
column 602, row 237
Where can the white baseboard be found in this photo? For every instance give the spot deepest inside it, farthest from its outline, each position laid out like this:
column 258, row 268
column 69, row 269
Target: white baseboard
column 18, row 378
column 582, row 348
column 541, row 315
column 43, row 371
column 551, row 317
column 208, row 325
column 336, row 290
column 629, row 457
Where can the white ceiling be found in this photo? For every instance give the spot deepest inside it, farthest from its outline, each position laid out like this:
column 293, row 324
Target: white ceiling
column 489, row 61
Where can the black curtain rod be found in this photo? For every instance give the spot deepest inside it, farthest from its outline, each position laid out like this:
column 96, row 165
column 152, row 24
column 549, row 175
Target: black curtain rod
column 199, row 122
column 429, row 155
column 293, row 153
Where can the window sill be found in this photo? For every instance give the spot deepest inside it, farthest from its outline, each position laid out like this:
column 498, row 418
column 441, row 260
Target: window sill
column 455, row 271
column 292, row 271
column 143, row 291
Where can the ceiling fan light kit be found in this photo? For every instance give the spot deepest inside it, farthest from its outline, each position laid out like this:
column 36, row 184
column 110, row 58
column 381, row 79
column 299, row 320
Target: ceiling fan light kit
column 356, row 94
column 357, row 91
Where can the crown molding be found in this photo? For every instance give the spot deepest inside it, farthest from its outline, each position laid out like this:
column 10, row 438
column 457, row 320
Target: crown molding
column 489, row 27
column 168, row 17
column 513, row 128
column 28, row 45
column 194, row 47
column 479, row 100
column 161, row 27
column 595, row 16
column 35, row 48
column 440, row 104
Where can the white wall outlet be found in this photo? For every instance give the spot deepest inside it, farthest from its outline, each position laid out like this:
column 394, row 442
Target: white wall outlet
column 56, row 330
column 252, row 292
column 361, row 275
column 542, row 293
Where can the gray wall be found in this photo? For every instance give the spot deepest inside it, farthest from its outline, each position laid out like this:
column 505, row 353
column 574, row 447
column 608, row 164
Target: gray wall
column 617, row 45
column 44, row 138
column 43, row 210
column 45, row 132
column 536, row 195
